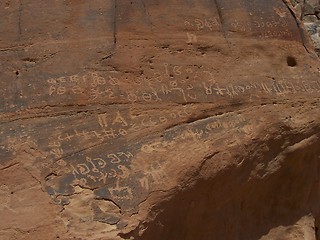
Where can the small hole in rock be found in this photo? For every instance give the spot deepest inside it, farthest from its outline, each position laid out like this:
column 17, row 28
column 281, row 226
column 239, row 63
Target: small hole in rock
column 291, row 61
column 17, row 73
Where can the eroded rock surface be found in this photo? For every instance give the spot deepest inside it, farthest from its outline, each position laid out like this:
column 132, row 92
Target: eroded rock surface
column 155, row 120
column 308, row 14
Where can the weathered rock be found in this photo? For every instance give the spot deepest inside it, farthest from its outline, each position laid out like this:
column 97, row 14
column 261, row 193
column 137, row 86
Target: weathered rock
column 158, row 120
column 308, row 12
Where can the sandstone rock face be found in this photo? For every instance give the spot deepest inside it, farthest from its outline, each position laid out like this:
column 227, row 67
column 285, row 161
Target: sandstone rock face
column 172, row 120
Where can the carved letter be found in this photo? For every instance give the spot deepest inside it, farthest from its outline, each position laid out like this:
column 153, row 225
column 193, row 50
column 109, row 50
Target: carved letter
column 119, row 119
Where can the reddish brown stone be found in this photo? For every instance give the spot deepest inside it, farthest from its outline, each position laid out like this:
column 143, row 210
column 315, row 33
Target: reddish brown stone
column 157, row 120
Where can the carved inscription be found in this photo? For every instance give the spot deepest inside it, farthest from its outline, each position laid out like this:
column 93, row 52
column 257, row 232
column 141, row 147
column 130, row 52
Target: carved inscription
column 209, row 24
column 99, row 169
column 207, row 128
column 110, row 127
column 78, row 85
column 109, row 171
column 270, row 28
column 126, row 124
column 257, row 19
column 275, row 87
column 177, row 83
column 191, row 38
column 120, row 192
column 113, row 170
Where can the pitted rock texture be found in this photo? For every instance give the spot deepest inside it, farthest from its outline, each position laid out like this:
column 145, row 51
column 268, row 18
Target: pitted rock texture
column 155, row 120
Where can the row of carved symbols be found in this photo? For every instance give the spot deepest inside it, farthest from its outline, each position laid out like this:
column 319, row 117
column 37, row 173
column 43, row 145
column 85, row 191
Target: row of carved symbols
column 203, row 24
column 96, row 168
column 279, row 88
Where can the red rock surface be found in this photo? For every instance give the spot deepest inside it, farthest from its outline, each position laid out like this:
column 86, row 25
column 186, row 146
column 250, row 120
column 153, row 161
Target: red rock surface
column 155, row 120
